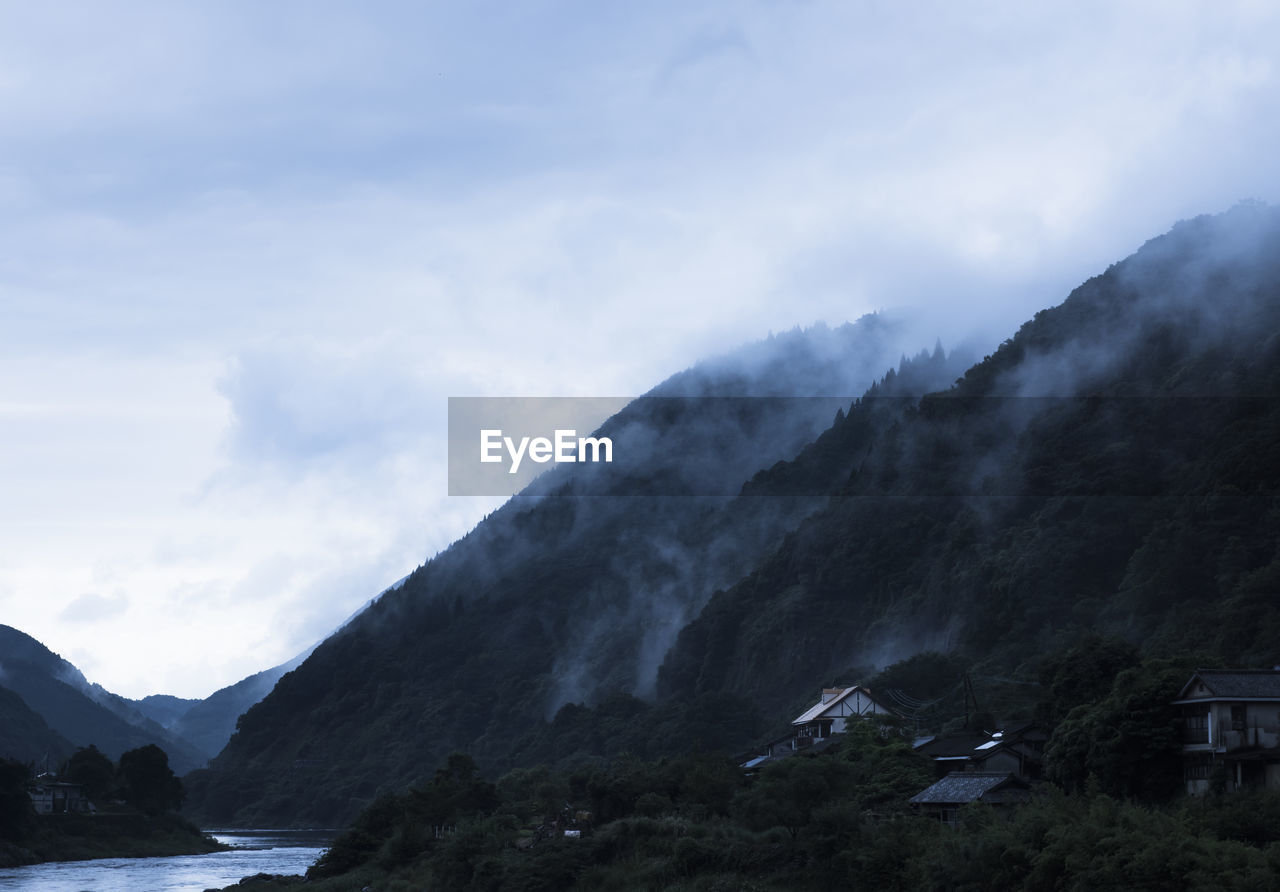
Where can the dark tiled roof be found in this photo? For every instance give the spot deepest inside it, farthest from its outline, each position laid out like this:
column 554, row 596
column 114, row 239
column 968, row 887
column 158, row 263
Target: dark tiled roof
column 1238, row 683
column 1029, row 730
column 953, row 745
column 964, row 786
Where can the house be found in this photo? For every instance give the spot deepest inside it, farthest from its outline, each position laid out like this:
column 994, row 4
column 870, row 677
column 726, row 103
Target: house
column 53, row 797
column 833, row 710
column 1009, row 755
column 944, row 798
column 774, row 749
column 951, row 752
column 1230, row 723
column 1018, row 750
column 816, row 728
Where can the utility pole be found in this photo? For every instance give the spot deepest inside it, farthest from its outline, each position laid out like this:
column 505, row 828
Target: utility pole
column 969, row 697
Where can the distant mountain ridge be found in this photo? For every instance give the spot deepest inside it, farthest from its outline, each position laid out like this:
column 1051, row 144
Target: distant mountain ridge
column 209, row 723
column 165, row 709
column 81, row 712
column 191, row 731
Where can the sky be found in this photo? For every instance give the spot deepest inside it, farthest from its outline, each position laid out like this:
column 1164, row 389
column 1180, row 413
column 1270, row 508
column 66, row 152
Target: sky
column 249, row 250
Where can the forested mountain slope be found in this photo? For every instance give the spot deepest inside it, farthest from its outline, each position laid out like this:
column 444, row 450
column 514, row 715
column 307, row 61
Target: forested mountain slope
column 1114, row 466
column 571, row 597
column 81, row 712
column 25, row 736
column 209, row 723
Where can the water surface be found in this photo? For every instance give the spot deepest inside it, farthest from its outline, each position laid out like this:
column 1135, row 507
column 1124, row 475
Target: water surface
column 255, row 851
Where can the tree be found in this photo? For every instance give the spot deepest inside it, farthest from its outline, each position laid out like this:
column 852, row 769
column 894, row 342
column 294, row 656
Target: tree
column 1127, row 742
column 1082, row 674
column 15, row 804
column 455, row 792
column 148, row 782
column 92, row 770
column 864, row 771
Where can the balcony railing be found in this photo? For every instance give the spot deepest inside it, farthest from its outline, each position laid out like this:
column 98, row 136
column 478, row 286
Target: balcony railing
column 1195, row 735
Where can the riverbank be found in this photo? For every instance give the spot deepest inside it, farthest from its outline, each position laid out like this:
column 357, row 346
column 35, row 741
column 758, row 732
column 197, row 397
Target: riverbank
column 78, row 837
column 360, row 879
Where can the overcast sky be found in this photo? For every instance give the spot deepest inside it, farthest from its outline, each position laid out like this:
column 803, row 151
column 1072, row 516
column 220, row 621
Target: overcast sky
column 248, row 249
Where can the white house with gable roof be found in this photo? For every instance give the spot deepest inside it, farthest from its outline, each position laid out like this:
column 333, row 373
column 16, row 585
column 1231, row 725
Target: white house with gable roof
column 831, row 713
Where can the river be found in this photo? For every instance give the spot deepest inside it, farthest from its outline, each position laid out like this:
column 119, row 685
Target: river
column 255, row 851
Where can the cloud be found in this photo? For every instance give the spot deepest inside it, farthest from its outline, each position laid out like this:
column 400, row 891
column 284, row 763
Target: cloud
column 294, row 403
column 92, row 608
column 250, row 251
column 708, row 44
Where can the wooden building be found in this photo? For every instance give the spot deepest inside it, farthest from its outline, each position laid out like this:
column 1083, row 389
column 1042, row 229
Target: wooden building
column 50, row 796
column 944, row 798
column 833, row 710
column 1230, row 724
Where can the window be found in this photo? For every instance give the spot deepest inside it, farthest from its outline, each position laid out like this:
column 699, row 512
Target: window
column 1195, row 728
column 1198, row 768
column 1238, row 717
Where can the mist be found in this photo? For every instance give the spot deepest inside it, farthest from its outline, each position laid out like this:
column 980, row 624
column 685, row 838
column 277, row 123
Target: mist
column 237, row 295
column 1086, row 419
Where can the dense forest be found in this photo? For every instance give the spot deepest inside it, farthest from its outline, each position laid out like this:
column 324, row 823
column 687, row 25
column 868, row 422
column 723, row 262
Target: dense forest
column 134, row 804
column 1111, row 468
column 1110, row 817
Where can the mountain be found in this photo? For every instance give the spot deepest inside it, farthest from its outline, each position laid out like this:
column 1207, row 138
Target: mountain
column 1112, row 467
column 209, row 723
column 81, row 712
column 571, row 593
column 25, row 736
column 165, row 709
